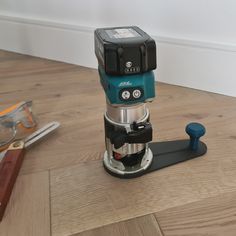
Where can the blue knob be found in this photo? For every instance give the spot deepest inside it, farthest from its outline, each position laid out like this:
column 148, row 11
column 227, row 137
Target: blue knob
column 195, row 131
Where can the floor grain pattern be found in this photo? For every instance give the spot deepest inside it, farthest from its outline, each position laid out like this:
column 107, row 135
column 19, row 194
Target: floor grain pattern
column 80, row 198
column 27, row 213
column 214, row 216
column 141, row 226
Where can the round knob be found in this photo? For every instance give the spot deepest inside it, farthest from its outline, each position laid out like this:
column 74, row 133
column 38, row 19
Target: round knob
column 195, row 131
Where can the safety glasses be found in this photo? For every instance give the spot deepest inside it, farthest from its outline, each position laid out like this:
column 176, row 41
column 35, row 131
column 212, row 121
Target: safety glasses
column 16, row 120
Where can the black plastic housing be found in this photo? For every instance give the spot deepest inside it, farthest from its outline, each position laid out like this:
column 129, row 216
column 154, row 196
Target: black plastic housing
column 124, row 50
column 166, row 154
column 141, row 133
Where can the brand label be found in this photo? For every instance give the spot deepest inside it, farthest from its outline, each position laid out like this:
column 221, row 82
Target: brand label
column 122, row 84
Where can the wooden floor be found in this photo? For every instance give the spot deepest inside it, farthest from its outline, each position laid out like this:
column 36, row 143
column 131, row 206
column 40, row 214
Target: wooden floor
column 62, row 188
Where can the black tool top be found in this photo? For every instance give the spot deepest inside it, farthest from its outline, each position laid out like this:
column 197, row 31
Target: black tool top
column 125, row 50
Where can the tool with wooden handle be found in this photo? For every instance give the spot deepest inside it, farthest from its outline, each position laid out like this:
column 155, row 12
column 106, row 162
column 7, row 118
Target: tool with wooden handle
column 12, row 159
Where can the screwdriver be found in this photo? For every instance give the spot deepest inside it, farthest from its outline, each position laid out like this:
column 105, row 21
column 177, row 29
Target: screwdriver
column 11, row 161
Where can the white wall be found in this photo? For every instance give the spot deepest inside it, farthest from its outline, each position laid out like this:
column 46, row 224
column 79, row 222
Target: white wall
column 196, row 39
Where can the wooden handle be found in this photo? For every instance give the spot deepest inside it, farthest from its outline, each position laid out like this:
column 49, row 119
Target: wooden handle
column 9, row 169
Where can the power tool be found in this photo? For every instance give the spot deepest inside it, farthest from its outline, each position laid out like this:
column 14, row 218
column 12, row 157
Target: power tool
column 126, row 60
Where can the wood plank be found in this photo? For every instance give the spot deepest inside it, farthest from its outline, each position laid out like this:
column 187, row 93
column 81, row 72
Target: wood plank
column 141, row 226
column 27, row 213
column 85, row 196
column 70, row 110
column 213, row 217
column 73, row 96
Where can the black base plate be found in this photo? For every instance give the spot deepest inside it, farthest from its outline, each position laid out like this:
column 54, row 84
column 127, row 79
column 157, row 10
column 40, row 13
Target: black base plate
column 166, row 154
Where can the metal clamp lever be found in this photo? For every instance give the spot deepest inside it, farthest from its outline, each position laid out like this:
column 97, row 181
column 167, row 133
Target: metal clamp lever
column 140, row 133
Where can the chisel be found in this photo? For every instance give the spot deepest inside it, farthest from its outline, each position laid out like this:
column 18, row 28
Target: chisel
column 11, row 161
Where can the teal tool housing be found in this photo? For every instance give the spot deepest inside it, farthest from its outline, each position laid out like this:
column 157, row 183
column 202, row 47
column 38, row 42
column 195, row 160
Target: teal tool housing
column 128, row 89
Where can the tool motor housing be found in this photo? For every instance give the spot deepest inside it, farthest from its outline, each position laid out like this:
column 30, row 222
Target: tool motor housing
column 125, row 50
column 128, row 89
column 126, row 58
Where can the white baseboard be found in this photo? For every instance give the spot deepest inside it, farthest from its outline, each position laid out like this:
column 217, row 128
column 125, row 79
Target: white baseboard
column 52, row 40
column 209, row 66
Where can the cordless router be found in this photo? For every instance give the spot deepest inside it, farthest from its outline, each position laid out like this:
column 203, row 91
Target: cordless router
column 126, row 60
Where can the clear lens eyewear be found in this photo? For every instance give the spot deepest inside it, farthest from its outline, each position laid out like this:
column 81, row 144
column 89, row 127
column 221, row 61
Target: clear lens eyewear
column 17, row 119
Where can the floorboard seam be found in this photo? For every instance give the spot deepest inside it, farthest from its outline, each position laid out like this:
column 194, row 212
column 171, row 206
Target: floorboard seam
column 33, row 172
column 50, row 210
column 158, row 224
column 120, row 221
